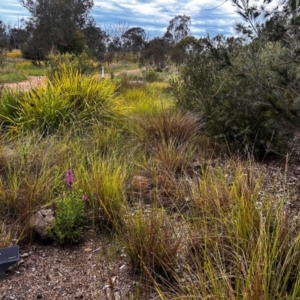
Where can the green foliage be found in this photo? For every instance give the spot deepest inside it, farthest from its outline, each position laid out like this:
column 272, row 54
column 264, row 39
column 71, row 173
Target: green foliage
column 69, row 217
column 56, row 25
column 58, row 62
column 9, row 104
column 151, row 76
column 105, row 180
column 155, row 54
column 68, row 97
column 249, row 95
column 69, row 213
column 295, row 4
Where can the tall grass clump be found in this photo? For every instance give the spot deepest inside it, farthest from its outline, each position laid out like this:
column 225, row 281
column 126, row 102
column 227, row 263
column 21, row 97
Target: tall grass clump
column 45, row 110
column 69, row 97
column 104, row 181
column 241, row 245
column 30, row 176
column 168, row 141
column 167, row 126
column 90, row 97
column 9, row 100
column 151, row 243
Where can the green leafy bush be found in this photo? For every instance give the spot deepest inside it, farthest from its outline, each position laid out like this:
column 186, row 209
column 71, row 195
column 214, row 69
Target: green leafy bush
column 151, row 76
column 69, row 214
column 81, row 63
column 248, row 95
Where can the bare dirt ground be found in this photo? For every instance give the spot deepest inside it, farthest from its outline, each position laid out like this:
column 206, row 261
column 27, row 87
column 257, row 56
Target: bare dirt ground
column 32, row 82
column 81, row 271
column 35, row 81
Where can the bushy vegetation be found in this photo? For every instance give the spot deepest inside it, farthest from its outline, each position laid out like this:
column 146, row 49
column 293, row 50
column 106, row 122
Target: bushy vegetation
column 248, row 94
column 68, row 97
column 56, row 63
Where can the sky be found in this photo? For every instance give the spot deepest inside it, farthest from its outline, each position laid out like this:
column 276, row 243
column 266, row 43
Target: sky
column 207, row 16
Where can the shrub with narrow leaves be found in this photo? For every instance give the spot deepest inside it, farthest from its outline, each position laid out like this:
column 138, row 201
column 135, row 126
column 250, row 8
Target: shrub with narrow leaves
column 249, row 96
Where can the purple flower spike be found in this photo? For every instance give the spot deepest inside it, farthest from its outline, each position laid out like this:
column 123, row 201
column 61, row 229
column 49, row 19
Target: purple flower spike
column 84, row 197
column 70, row 177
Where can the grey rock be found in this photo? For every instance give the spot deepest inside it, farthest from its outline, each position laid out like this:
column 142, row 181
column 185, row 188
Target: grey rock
column 41, row 221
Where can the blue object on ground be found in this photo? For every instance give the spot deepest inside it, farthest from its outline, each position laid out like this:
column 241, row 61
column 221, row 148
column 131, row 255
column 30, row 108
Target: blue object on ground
column 8, row 257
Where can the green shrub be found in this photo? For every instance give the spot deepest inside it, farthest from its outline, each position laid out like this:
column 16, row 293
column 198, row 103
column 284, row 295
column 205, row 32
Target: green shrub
column 249, row 96
column 69, row 213
column 151, row 76
column 81, row 63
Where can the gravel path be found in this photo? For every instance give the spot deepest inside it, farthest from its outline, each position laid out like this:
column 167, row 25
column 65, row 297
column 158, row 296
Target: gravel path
column 35, row 81
column 32, row 82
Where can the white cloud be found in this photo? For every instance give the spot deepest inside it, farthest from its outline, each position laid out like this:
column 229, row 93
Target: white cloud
column 206, row 17
column 153, row 16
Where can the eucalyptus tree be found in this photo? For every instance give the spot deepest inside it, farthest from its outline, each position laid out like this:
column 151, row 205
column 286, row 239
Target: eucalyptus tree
column 58, row 24
column 134, row 39
column 156, row 54
column 179, row 27
column 3, row 37
column 96, row 41
column 116, row 33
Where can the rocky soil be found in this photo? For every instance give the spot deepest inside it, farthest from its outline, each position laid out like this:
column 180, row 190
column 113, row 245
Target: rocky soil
column 83, row 271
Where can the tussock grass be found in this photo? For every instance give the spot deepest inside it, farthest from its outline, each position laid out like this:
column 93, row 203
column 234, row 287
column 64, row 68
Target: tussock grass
column 167, row 126
column 69, row 97
column 235, row 249
column 151, row 243
column 104, row 183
